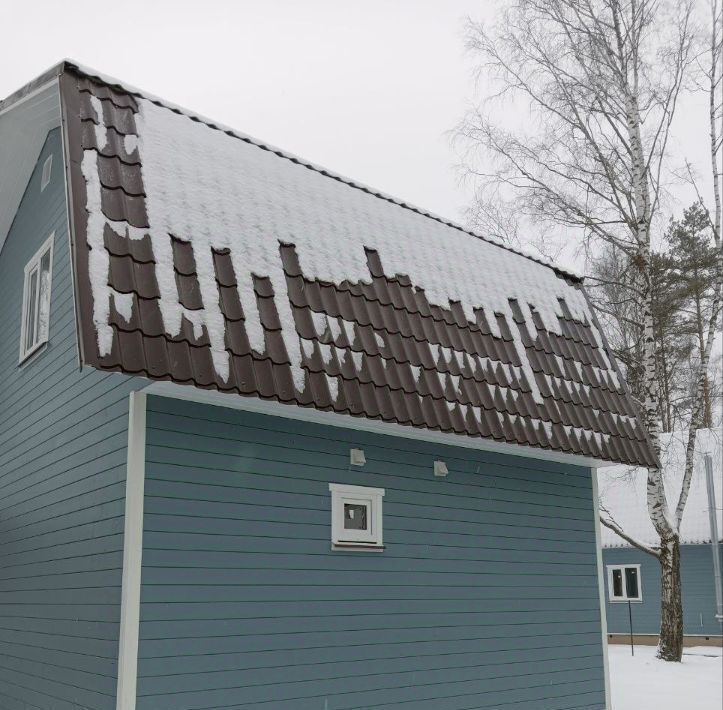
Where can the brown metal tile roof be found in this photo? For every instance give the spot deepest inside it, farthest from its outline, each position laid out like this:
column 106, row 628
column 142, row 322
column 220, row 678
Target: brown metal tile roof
column 375, row 348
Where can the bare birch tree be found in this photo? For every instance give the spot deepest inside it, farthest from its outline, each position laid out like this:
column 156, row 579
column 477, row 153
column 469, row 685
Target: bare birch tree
column 669, row 550
column 601, row 79
column 713, row 71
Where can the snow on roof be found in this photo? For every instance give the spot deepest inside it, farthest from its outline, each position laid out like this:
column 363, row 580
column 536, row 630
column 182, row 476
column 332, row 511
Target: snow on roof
column 212, row 259
column 199, row 188
column 200, row 118
column 622, row 491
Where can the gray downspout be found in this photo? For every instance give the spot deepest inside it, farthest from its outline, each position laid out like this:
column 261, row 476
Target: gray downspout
column 714, row 539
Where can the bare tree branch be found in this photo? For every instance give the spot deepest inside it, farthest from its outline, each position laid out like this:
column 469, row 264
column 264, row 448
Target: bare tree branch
column 609, row 523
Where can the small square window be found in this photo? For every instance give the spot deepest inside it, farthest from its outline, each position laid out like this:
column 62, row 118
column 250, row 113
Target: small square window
column 47, row 171
column 36, row 300
column 624, row 583
column 356, row 517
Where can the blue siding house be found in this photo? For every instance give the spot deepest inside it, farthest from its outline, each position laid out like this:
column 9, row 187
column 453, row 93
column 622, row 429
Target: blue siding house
column 623, row 494
column 272, row 439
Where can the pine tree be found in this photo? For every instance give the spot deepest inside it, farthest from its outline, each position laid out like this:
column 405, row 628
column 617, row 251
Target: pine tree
column 694, row 260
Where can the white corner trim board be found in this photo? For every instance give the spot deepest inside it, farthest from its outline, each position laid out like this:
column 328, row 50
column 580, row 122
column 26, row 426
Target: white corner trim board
column 601, row 586
column 132, row 554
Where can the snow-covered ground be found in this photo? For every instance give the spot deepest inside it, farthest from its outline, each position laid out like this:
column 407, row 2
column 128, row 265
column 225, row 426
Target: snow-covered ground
column 644, row 683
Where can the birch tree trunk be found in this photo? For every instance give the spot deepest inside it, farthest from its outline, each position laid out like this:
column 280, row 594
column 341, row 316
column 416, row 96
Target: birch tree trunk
column 670, row 644
column 670, row 640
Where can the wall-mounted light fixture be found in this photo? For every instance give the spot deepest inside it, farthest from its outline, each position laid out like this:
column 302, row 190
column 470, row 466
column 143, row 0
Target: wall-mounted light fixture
column 440, row 468
column 356, row 457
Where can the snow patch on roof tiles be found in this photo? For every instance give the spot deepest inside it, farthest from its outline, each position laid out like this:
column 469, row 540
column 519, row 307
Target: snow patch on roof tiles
column 334, row 327
column 333, row 384
column 307, row 347
column 101, row 136
column 98, row 259
column 320, row 323
column 357, row 357
column 123, row 303
column 325, row 352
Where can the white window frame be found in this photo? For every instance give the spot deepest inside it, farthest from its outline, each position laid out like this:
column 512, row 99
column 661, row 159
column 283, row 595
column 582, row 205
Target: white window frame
column 625, row 597
column 32, row 265
column 372, row 498
column 47, row 172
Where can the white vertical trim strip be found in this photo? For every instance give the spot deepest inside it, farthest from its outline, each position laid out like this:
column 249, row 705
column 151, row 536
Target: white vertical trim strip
column 601, row 587
column 132, row 554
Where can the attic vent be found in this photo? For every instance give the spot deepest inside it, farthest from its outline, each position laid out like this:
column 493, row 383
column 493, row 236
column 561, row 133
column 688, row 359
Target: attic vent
column 47, row 168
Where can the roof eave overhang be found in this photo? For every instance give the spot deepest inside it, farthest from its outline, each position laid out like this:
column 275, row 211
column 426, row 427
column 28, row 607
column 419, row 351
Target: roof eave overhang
column 216, row 398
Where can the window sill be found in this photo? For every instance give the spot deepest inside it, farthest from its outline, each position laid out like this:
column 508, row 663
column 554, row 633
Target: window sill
column 625, row 601
column 356, row 547
column 25, row 357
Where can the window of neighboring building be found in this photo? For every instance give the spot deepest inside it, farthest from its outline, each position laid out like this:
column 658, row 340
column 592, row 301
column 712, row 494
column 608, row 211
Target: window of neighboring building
column 47, row 170
column 356, row 517
column 36, row 300
column 624, row 583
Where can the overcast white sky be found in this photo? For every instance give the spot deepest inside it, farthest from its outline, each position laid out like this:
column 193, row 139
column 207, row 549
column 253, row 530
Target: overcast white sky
column 368, row 88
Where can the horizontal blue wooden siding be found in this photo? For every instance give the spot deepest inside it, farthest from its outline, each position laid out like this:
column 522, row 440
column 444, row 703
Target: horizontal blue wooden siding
column 62, row 485
column 696, row 570
column 486, row 596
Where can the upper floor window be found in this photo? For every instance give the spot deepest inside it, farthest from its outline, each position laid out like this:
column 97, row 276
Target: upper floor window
column 47, row 170
column 36, row 300
column 624, row 583
column 356, row 517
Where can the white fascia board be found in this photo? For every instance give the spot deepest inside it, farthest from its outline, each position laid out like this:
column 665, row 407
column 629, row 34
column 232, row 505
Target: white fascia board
column 253, row 404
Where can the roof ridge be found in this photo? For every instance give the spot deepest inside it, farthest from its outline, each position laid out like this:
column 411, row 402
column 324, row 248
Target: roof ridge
column 94, row 75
